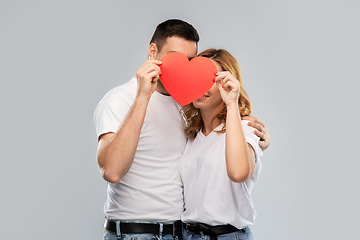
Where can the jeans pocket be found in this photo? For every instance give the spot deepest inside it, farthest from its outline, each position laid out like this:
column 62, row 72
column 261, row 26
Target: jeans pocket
column 142, row 236
column 241, row 235
column 110, row 236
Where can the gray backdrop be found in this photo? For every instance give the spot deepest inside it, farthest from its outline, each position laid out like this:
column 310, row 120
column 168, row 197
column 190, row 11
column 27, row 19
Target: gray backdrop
column 298, row 61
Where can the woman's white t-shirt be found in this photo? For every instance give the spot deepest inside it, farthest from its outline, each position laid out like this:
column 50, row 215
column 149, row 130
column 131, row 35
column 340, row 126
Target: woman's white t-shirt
column 209, row 195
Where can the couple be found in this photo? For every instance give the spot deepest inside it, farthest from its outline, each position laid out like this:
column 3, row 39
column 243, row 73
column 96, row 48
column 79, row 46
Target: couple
column 142, row 150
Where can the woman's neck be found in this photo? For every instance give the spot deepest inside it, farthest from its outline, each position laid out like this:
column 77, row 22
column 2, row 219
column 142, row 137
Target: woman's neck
column 210, row 120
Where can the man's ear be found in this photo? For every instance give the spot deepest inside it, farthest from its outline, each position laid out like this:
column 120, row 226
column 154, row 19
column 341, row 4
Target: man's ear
column 153, row 51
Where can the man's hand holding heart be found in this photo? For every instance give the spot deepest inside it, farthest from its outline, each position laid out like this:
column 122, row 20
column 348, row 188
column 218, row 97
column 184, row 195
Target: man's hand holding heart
column 147, row 76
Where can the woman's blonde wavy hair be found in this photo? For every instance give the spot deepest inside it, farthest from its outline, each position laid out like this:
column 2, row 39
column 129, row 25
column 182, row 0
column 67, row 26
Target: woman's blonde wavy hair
column 192, row 116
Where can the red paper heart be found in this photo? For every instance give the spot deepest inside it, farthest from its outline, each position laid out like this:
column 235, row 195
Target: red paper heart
column 186, row 80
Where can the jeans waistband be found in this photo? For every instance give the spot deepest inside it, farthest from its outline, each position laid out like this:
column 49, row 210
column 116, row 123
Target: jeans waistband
column 212, row 231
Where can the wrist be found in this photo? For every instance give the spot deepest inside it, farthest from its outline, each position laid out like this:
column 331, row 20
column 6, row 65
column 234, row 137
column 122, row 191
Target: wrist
column 142, row 99
column 143, row 95
column 232, row 104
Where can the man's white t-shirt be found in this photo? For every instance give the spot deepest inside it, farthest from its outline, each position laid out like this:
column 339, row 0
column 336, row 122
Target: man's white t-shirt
column 152, row 188
column 210, row 196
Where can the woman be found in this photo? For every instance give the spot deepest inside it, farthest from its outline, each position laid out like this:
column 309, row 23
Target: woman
column 221, row 162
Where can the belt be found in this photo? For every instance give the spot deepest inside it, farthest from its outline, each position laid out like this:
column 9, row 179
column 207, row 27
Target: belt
column 212, row 231
column 174, row 229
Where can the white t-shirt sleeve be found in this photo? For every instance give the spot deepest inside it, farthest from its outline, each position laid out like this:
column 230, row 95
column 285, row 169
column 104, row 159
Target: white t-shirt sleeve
column 252, row 139
column 112, row 110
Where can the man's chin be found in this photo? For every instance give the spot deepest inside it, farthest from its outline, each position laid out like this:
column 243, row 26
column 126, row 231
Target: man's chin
column 160, row 88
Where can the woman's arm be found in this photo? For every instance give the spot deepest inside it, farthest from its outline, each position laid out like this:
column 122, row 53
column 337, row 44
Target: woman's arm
column 240, row 157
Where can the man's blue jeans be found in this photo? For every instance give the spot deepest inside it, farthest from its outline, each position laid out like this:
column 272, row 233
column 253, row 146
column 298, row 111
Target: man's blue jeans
column 243, row 234
column 137, row 236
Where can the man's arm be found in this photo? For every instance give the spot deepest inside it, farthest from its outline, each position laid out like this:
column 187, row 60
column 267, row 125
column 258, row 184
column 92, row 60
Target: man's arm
column 261, row 131
column 116, row 151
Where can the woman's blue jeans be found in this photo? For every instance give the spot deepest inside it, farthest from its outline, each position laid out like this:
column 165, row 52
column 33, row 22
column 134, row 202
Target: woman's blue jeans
column 243, row 234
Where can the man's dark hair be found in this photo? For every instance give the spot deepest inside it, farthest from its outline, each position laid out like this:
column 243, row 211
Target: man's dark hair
column 173, row 27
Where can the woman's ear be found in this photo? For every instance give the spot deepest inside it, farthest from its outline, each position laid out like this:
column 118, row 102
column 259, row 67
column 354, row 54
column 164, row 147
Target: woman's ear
column 153, row 51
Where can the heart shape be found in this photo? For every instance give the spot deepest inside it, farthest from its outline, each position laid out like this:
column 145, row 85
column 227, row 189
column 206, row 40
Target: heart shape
column 186, row 80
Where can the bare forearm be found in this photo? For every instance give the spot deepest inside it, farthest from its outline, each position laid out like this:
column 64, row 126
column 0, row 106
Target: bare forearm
column 239, row 156
column 116, row 151
column 116, row 155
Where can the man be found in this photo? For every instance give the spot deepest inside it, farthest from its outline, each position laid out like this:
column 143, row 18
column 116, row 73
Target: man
column 140, row 139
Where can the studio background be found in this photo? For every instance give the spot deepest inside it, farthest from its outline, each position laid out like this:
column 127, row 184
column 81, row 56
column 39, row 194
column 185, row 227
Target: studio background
column 299, row 62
